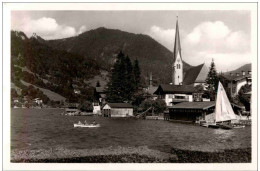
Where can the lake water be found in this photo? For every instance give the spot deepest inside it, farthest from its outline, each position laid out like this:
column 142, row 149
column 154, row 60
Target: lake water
column 33, row 129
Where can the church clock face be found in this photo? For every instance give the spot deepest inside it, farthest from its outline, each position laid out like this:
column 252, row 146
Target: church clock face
column 178, row 60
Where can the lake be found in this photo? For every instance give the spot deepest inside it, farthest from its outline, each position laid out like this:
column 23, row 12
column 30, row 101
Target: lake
column 33, row 129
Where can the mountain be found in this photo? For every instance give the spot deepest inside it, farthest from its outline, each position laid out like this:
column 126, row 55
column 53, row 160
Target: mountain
column 62, row 72
column 102, row 45
column 77, row 63
column 246, row 68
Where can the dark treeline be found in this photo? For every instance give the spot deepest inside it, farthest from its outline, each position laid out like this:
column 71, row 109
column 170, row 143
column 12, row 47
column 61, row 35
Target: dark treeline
column 124, row 79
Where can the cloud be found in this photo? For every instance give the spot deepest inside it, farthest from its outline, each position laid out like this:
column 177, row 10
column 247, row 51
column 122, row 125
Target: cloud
column 207, row 41
column 218, row 37
column 47, row 28
column 163, row 36
column 82, row 29
column 215, row 40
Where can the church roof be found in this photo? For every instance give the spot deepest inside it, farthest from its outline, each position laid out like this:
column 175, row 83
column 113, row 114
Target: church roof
column 197, row 74
column 175, row 89
column 177, row 43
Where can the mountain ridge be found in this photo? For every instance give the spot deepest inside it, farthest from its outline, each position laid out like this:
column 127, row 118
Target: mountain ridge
column 103, row 45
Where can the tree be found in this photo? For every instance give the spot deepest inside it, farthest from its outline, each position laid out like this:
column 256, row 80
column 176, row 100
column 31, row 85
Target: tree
column 137, row 74
column 98, row 84
column 86, row 106
column 245, row 98
column 212, row 82
column 199, row 90
column 129, row 81
column 13, row 93
column 122, row 83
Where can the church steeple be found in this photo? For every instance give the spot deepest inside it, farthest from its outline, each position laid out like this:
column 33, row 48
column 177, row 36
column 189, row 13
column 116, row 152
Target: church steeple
column 177, row 42
column 177, row 74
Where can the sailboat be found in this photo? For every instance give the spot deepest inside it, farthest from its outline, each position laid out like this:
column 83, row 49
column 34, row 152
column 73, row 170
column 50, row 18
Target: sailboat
column 224, row 113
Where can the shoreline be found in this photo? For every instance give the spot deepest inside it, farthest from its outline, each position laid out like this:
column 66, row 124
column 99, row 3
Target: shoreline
column 140, row 154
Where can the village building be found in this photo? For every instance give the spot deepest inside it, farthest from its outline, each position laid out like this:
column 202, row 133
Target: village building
column 96, row 108
column 117, row 110
column 182, row 87
column 151, row 89
column 234, row 81
column 38, row 101
column 173, row 94
column 77, row 91
column 100, row 94
column 191, row 111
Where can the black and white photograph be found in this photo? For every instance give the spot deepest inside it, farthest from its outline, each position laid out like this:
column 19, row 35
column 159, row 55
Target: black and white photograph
column 170, row 85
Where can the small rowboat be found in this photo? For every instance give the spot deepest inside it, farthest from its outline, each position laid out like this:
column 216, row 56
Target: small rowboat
column 239, row 126
column 87, row 125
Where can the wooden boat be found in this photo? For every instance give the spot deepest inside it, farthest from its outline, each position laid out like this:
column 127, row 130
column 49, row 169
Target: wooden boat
column 86, row 125
column 239, row 126
column 215, row 126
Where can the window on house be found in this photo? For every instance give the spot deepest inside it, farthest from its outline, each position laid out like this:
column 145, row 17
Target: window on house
column 180, row 97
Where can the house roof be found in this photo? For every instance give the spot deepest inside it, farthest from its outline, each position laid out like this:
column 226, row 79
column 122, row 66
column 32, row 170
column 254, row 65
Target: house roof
column 100, row 89
column 193, row 105
column 120, row 105
column 197, row 74
column 234, row 77
column 175, row 89
column 152, row 89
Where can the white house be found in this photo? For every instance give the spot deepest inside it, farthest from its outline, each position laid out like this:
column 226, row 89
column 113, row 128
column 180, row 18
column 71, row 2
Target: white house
column 173, row 94
column 234, row 81
column 38, row 101
column 117, row 110
column 96, row 108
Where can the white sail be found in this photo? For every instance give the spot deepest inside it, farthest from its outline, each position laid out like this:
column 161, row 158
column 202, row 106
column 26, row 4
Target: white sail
column 223, row 111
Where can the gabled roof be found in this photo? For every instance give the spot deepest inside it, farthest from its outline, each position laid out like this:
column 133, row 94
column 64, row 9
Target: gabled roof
column 197, row 74
column 120, row 105
column 193, row 105
column 175, row 89
column 177, row 43
column 152, row 89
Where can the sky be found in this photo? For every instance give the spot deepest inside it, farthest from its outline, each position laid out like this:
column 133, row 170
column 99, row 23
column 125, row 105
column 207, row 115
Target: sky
column 222, row 36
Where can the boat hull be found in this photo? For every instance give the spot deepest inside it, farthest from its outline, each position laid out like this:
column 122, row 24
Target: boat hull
column 213, row 126
column 87, row 126
column 224, row 126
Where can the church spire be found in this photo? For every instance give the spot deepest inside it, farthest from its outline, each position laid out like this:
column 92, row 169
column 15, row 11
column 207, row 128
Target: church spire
column 177, row 67
column 177, row 43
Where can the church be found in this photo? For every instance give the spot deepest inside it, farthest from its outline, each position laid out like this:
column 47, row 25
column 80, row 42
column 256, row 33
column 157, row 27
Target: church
column 182, row 88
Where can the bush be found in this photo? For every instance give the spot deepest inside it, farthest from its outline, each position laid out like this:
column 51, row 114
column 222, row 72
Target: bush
column 158, row 105
column 85, row 106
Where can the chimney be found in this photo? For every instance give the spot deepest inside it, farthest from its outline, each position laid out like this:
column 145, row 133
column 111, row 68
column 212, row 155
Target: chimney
column 150, row 79
column 249, row 72
column 243, row 73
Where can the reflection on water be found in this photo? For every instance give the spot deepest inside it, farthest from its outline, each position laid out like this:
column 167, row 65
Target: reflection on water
column 46, row 128
column 224, row 134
